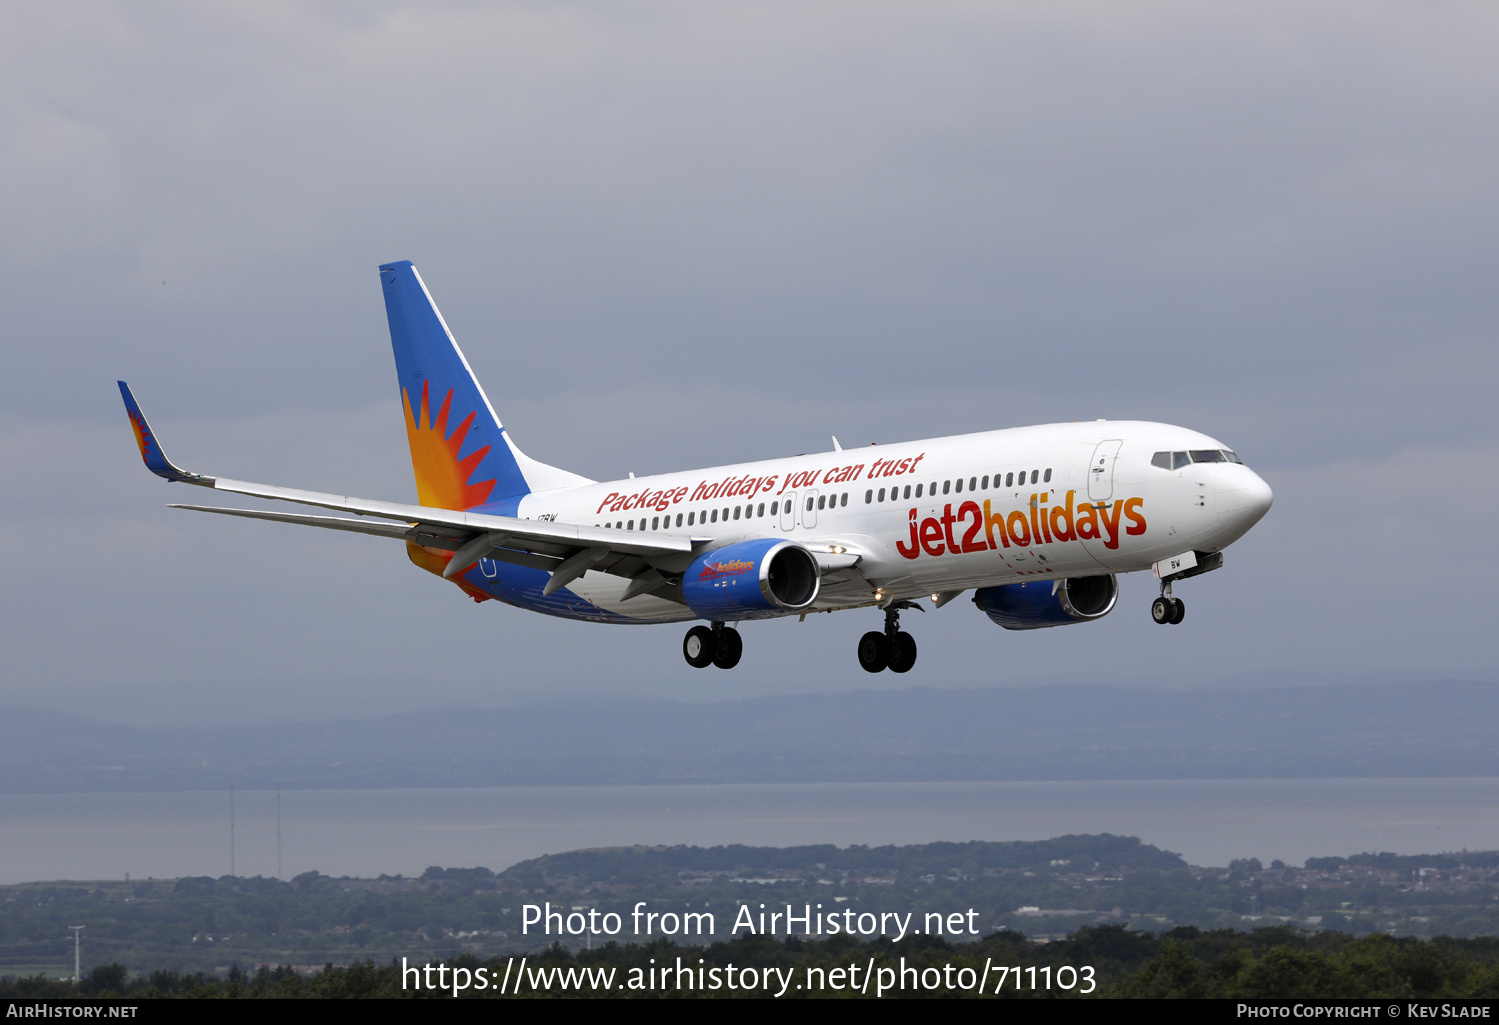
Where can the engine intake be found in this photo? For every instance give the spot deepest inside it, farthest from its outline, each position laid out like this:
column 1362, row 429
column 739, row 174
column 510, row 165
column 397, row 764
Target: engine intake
column 757, row 579
column 1040, row 603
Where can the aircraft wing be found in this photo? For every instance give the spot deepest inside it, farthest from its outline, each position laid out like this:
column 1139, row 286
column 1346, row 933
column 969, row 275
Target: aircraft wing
column 565, row 550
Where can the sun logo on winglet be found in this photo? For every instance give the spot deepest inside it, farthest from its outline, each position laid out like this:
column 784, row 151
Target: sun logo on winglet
column 442, row 478
column 142, row 434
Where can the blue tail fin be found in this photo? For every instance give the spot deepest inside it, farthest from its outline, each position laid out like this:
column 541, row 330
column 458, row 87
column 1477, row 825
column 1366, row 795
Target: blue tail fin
column 460, row 453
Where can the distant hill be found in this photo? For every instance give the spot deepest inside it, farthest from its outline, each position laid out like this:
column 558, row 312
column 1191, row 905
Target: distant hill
column 1115, row 888
column 1101, row 852
column 1062, row 731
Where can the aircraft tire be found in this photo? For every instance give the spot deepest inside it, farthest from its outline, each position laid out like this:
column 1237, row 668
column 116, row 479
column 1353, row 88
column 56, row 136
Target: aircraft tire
column 874, row 652
column 730, row 648
column 698, row 647
column 902, row 653
column 1178, row 611
column 1161, row 610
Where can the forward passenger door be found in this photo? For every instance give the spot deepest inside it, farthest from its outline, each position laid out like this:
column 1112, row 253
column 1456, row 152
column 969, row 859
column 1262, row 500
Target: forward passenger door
column 1101, row 470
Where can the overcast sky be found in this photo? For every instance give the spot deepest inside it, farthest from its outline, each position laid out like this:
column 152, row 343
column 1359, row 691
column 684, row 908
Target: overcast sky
column 670, row 235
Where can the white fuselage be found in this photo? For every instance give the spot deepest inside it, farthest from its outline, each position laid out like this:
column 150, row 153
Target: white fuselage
column 1097, row 505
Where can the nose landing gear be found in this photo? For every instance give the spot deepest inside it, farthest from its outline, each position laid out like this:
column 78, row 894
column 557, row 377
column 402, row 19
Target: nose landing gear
column 717, row 645
column 894, row 649
column 1166, row 609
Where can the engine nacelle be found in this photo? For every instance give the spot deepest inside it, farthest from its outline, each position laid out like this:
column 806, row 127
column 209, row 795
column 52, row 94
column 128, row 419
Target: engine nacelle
column 757, row 579
column 1038, row 603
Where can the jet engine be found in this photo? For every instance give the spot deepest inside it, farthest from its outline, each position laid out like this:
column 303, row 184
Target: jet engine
column 757, row 579
column 1037, row 603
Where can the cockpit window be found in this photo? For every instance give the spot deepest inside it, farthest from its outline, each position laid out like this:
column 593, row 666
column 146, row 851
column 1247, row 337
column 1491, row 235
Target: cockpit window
column 1176, row 460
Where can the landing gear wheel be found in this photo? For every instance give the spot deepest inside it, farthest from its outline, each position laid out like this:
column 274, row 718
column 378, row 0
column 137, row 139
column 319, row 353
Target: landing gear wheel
column 1162, row 610
column 874, row 652
column 699, row 647
column 902, row 653
column 1178, row 610
column 730, row 647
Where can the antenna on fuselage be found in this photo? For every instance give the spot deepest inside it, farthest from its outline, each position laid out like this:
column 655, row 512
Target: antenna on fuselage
column 836, row 447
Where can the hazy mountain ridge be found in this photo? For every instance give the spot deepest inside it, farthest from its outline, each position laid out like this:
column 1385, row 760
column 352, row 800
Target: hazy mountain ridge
column 1066, row 731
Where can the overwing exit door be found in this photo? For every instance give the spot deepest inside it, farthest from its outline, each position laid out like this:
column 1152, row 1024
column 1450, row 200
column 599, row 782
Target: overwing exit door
column 809, row 509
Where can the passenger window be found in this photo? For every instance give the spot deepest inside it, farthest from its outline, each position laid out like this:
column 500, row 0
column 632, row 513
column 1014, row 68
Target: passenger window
column 1034, row 474
column 882, row 494
column 960, row 485
column 631, row 526
column 844, row 500
column 775, row 507
column 822, row 501
column 1009, row 480
column 809, row 505
column 1047, row 478
column 908, row 492
column 868, row 497
column 1161, row 459
column 691, row 517
column 918, row 491
column 986, row 482
column 655, row 522
column 762, row 510
column 715, row 515
column 679, row 519
column 946, row 486
column 736, row 512
column 973, row 483
column 1180, row 459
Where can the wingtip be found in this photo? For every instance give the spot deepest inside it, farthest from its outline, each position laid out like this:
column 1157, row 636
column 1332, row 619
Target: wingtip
column 151, row 454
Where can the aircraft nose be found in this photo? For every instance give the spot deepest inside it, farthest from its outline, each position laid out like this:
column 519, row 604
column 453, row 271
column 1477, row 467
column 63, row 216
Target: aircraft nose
column 1243, row 498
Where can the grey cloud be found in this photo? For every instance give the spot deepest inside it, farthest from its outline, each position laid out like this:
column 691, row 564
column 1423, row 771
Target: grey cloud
column 1273, row 223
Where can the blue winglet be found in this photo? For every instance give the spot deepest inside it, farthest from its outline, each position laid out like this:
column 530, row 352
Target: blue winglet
column 151, row 453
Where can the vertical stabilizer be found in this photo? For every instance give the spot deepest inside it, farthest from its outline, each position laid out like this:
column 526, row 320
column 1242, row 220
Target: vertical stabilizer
column 460, row 453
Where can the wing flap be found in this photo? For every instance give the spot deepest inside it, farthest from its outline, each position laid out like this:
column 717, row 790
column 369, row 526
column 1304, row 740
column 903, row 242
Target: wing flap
column 327, row 522
column 540, row 532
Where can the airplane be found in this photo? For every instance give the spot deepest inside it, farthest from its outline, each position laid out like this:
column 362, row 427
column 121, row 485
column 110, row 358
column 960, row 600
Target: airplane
column 1038, row 522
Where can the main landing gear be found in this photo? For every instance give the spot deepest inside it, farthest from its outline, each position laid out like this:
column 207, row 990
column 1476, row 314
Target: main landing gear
column 1167, row 609
column 894, row 649
column 717, row 645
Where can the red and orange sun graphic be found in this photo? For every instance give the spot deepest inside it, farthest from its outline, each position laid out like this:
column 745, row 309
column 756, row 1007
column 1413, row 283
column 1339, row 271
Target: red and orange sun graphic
column 441, row 477
column 142, row 434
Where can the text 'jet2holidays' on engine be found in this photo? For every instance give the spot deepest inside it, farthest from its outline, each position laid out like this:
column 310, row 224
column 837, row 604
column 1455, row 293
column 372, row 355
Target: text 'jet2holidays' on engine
column 1036, row 521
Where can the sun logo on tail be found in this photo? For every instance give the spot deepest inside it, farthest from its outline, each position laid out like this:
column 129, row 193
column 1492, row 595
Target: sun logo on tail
column 441, row 477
